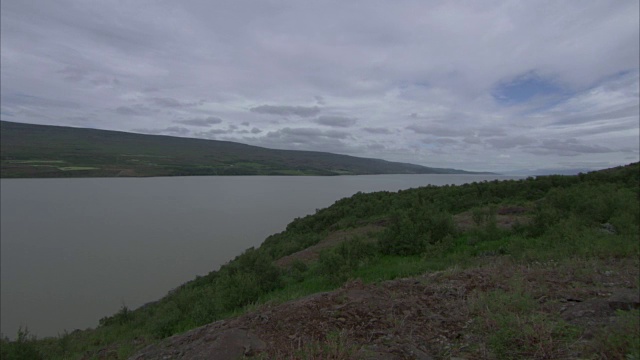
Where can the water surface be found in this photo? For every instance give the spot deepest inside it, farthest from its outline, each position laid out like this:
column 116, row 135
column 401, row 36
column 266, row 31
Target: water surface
column 75, row 250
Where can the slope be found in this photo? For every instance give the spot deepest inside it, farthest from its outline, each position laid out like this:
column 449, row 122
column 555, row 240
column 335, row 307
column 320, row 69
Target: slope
column 543, row 268
column 51, row 151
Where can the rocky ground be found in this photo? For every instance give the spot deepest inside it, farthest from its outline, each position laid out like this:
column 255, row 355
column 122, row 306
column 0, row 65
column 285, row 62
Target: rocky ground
column 441, row 315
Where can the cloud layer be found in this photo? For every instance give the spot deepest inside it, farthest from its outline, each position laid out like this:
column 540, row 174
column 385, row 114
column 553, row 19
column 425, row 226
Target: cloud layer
column 488, row 85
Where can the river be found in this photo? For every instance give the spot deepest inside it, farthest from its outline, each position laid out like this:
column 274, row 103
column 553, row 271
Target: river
column 75, row 250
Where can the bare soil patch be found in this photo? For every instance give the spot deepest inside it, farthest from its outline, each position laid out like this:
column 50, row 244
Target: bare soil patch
column 506, row 218
column 425, row 317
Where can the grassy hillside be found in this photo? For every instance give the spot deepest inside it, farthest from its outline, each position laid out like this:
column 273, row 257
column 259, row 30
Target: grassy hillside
column 527, row 250
column 53, row 151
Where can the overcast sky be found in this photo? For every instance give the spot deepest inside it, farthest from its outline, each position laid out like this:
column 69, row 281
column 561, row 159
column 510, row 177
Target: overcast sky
column 475, row 85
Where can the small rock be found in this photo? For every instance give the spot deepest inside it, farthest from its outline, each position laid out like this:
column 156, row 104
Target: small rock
column 608, row 228
column 416, row 353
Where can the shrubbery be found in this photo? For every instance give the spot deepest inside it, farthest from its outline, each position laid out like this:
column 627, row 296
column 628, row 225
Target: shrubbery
column 411, row 231
column 336, row 265
column 246, row 278
column 23, row 348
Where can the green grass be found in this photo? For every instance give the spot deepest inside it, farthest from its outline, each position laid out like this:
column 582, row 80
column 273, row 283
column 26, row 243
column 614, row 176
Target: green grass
column 518, row 328
column 620, row 340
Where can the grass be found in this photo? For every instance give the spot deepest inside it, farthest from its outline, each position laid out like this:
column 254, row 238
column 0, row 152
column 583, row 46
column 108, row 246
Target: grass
column 518, row 327
column 620, row 340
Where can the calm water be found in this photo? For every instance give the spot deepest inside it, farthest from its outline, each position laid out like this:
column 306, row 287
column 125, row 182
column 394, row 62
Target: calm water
column 75, row 250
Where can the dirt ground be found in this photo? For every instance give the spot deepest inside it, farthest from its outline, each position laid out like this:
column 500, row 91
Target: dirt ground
column 427, row 317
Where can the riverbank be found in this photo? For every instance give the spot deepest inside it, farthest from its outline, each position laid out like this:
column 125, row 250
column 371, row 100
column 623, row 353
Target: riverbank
column 533, row 268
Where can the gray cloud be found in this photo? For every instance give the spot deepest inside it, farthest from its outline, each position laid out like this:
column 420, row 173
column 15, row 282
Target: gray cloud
column 254, row 131
column 172, row 103
column 335, row 121
column 306, row 139
column 311, row 133
column 567, row 147
column 442, row 141
column 214, row 133
column 376, row 147
column 204, row 122
column 472, row 140
column 302, row 111
column 19, row 99
column 73, row 74
column 231, row 129
column 218, row 131
column 510, row 142
column 377, row 130
column 100, row 81
column 437, row 130
column 134, row 110
column 491, row 131
column 631, row 111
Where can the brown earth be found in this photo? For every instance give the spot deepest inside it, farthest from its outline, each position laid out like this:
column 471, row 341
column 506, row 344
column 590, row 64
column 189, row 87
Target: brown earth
column 435, row 316
column 506, row 218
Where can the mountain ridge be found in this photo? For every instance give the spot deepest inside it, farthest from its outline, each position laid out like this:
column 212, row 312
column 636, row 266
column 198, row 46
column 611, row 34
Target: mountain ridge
column 29, row 150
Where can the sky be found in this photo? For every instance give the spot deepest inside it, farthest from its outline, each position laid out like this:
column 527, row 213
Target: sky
column 476, row 85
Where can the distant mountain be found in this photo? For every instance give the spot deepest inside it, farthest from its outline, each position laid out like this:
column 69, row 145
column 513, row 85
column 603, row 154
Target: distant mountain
column 544, row 172
column 28, row 150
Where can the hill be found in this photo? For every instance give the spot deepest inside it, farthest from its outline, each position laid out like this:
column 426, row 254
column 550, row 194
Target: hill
column 537, row 268
column 28, row 150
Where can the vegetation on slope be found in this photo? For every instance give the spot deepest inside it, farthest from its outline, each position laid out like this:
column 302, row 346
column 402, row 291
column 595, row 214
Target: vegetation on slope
column 573, row 223
column 52, row 151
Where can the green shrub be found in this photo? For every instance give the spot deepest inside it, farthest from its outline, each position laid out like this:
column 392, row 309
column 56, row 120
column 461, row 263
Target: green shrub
column 237, row 290
column 411, row 232
column 338, row 264
column 356, row 252
column 297, row 270
column 166, row 323
column 23, row 348
column 332, row 267
column 123, row 316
